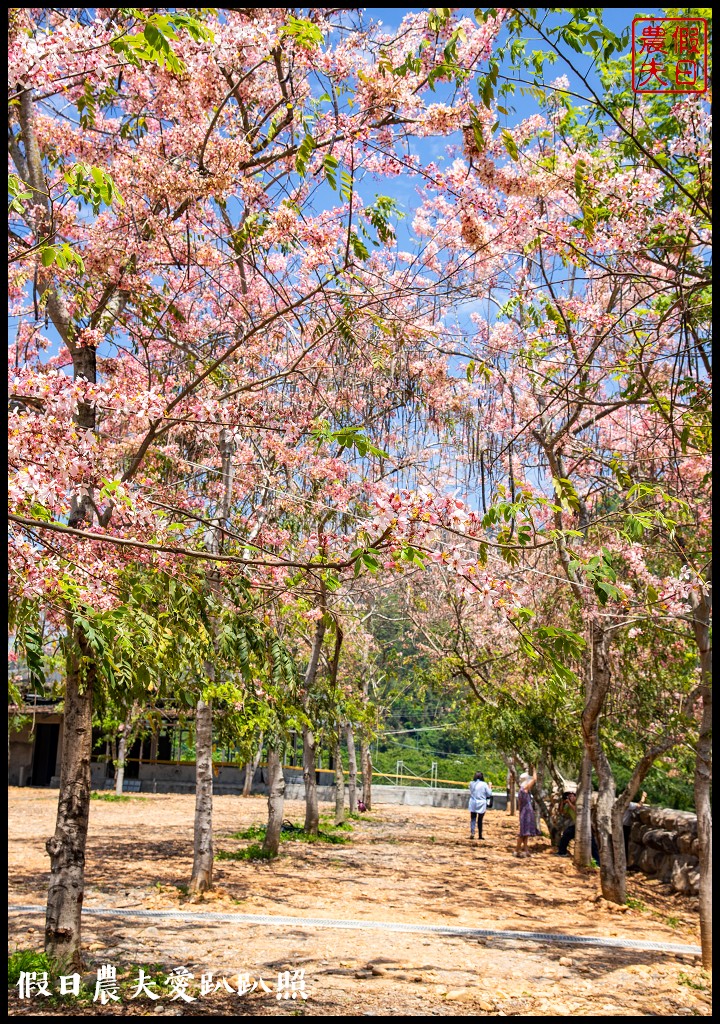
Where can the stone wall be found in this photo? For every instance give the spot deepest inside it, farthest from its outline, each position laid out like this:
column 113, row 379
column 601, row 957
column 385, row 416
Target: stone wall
column 664, row 844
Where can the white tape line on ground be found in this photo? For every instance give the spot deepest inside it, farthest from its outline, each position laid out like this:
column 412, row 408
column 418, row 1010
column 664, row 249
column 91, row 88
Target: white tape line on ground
column 385, row 926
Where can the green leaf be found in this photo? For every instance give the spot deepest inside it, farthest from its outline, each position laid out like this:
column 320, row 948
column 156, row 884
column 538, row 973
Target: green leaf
column 580, row 172
column 305, row 150
column 509, row 143
column 358, row 246
column 305, row 32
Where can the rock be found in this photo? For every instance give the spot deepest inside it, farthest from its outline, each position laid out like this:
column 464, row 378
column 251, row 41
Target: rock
column 565, row 961
column 378, row 971
column 661, row 839
column 458, row 993
column 486, row 1005
column 685, row 877
column 685, row 842
column 651, row 861
column 363, row 974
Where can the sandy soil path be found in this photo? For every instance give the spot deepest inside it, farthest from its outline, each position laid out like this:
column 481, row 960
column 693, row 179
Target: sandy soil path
column 402, row 865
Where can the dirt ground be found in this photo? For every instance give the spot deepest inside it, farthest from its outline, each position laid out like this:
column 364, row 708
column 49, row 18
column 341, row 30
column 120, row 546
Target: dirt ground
column 412, row 865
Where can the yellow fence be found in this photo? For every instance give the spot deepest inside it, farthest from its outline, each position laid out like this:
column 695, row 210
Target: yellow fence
column 297, row 768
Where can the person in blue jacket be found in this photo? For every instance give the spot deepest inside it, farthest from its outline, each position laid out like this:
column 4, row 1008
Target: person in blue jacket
column 480, row 794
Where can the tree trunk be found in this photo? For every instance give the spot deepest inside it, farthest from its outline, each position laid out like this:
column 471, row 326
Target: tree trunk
column 609, row 833
column 67, row 846
column 339, row 783
column 608, row 819
column 251, row 768
column 512, row 809
column 366, row 762
column 202, row 870
column 120, row 766
column 702, row 607
column 542, row 801
column 276, row 801
column 582, row 853
column 352, row 769
column 123, row 743
column 312, row 815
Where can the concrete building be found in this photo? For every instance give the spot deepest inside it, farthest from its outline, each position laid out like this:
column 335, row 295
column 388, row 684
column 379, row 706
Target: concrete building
column 154, row 765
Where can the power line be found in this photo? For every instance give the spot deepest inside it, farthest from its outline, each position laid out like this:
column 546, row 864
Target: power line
column 423, row 728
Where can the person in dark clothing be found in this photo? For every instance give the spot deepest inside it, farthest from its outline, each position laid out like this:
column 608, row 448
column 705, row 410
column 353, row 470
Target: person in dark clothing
column 627, row 823
column 569, row 809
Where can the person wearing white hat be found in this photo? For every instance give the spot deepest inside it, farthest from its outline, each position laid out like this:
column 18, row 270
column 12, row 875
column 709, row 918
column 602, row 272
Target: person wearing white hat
column 526, row 814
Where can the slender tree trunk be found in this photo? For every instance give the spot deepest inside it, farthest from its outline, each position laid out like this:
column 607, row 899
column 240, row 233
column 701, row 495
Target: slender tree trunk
column 276, row 801
column 597, row 685
column 582, row 853
column 339, row 783
column 251, row 768
column 352, row 769
column 542, row 801
column 203, row 855
column 366, row 762
column 609, row 833
column 67, row 846
column 123, row 743
column 702, row 608
column 120, row 766
column 512, row 808
column 202, row 870
column 608, row 819
column 312, row 815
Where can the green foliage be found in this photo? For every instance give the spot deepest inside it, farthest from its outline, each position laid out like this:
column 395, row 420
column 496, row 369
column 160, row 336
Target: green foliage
column 600, row 573
column 345, row 438
column 62, row 255
column 305, row 33
column 304, row 152
column 93, row 185
column 635, row 904
column 113, row 798
column 253, row 832
column 25, row 960
column 18, row 192
column 686, row 979
column 379, row 215
column 288, row 832
column 252, row 852
column 154, row 44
